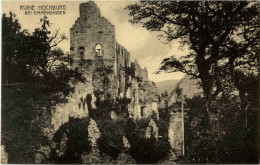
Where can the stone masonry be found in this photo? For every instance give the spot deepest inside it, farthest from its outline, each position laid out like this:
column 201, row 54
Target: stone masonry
column 109, row 72
column 92, row 38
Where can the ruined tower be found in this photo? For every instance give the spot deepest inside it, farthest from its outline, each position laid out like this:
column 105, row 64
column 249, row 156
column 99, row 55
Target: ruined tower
column 92, row 39
column 92, row 36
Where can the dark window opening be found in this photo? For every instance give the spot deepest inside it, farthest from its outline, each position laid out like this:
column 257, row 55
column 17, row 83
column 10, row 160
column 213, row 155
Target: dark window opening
column 142, row 111
column 81, row 51
column 81, row 54
column 152, row 132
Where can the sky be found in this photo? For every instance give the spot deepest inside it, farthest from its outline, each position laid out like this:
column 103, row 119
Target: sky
column 143, row 45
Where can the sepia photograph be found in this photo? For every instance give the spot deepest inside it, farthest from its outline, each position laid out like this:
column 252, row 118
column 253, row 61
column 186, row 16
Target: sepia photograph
column 130, row 82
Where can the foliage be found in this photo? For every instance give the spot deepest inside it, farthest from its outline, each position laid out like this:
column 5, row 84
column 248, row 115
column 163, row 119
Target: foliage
column 35, row 77
column 248, row 87
column 102, row 75
column 165, row 94
column 130, row 71
column 210, row 30
column 111, row 140
column 236, row 134
column 198, row 141
column 23, row 118
column 149, row 151
column 139, row 79
column 121, row 106
column 223, row 43
column 30, row 58
column 77, row 143
column 164, row 114
column 178, row 91
column 103, row 108
column 146, row 150
column 240, row 131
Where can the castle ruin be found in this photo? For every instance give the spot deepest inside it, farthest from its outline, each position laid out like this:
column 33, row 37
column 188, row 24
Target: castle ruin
column 92, row 39
column 108, row 70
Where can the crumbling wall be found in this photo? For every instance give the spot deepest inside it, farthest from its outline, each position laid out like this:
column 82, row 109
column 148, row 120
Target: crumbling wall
column 76, row 107
column 134, row 109
column 175, row 133
column 89, row 30
column 148, row 98
column 139, row 72
column 123, row 63
column 109, row 73
column 152, row 130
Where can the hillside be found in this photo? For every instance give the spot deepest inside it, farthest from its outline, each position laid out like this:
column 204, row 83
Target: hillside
column 167, row 85
column 189, row 86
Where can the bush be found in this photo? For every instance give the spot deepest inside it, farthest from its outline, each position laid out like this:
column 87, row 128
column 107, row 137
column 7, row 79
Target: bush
column 198, row 141
column 103, row 108
column 145, row 150
column 77, row 141
column 149, row 151
column 234, row 141
column 23, row 119
column 111, row 140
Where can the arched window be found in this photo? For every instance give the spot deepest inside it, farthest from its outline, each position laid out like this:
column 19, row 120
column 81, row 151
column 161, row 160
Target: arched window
column 98, row 50
column 81, row 51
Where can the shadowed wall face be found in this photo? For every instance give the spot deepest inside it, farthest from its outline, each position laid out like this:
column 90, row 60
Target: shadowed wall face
column 92, row 36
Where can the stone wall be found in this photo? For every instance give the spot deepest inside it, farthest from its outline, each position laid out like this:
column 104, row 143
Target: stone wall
column 89, row 30
column 175, row 133
column 122, row 64
column 148, row 97
column 139, row 72
column 93, row 132
column 76, row 106
column 144, row 99
column 152, row 130
column 134, row 109
column 107, row 68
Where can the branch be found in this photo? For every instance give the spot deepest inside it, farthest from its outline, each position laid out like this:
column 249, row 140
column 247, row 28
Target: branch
column 56, row 43
column 54, row 36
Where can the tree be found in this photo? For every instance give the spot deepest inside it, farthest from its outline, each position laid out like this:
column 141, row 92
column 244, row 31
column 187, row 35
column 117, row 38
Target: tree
column 36, row 76
column 12, row 37
column 34, row 58
column 222, row 38
column 218, row 35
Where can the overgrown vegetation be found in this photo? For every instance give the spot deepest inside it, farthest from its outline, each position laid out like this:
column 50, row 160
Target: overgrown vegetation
column 105, row 107
column 111, row 140
column 35, row 77
column 72, row 141
column 146, row 150
column 236, row 133
column 222, row 39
